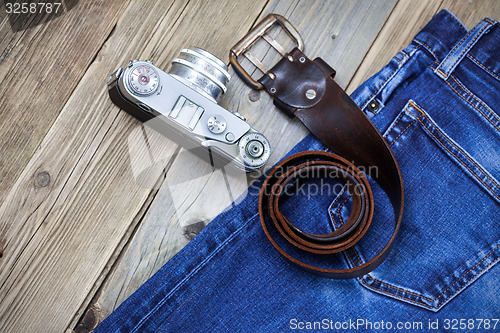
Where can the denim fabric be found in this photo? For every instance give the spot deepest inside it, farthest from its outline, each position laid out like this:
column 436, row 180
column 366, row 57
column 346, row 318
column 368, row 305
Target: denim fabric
column 437, row 104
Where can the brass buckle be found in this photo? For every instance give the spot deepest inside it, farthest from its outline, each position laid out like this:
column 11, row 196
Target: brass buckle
column 241, row 48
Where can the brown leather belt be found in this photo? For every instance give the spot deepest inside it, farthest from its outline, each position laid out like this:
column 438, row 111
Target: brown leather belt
column 305, row 89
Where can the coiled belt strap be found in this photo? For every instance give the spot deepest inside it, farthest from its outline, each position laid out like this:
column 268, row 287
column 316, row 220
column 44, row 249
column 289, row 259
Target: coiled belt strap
column 305, row 89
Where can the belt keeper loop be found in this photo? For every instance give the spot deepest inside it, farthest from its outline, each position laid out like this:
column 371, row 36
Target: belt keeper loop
column 460, row 50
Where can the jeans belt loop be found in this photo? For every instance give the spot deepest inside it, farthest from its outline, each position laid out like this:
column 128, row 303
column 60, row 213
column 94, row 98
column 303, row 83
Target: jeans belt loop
column 459, row 51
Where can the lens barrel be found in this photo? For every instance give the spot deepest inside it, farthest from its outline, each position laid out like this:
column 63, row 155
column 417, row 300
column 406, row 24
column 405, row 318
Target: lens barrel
column 201, row 71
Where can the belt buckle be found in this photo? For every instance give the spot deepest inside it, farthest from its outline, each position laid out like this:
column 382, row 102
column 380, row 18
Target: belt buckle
column 241, row 48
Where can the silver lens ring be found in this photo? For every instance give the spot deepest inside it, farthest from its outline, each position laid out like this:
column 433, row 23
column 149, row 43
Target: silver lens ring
column 201, row 71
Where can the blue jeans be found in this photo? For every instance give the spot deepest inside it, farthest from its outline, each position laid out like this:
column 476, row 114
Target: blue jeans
column 437, row 103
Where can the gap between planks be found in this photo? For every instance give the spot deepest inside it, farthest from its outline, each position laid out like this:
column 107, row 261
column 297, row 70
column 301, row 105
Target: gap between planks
column 257, row 112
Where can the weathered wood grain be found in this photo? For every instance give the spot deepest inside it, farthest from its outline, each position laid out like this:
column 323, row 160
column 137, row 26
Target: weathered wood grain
column 407, row 20
column 77, row 199
column 178, row 212
column 75, row 205
column 471, row 12
column 39, row 69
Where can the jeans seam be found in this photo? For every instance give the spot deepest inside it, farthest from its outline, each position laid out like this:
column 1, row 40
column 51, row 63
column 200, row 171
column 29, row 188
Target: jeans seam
column 456, row 147
column 428, row 48
column 475, row 98
column 426, row 305
column 468, row 102
column 483, row 66
column 191, row 274
column 388, row 77
column 465, row 49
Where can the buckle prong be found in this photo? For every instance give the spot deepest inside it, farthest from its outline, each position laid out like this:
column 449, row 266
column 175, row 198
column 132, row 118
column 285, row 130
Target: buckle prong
column 241, row 48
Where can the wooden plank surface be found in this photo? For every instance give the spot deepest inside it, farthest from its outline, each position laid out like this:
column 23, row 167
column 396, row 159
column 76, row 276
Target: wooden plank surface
column 406, row 21
column 67, row 228
column 179, row 212
column 39, row 69
column 163, row 232
column 80, row 230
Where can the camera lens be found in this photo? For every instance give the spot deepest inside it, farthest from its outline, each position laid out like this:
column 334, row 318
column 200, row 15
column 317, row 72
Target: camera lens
column 201, row 71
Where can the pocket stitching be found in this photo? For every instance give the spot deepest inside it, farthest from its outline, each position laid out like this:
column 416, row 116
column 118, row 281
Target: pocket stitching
column 391, row 286
column 395, row 123
column 468, row 102
column 386, row 292
column 460, row 150
column 475, row 98
column 437, row 306
column 405, row 291
column 404, row 130
column 483, row 66
column 330, row 210
column 388, row 77
column 340, row 207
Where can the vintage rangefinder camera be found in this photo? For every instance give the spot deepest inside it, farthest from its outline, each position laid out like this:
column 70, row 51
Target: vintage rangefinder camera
column 185, row 101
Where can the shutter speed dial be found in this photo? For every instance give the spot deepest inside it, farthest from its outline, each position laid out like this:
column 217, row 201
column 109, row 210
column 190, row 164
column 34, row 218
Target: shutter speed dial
column 254, row 150
column 216, row 124
column 143, row 80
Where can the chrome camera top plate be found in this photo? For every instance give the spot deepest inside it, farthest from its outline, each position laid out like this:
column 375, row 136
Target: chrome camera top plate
column 184, row 101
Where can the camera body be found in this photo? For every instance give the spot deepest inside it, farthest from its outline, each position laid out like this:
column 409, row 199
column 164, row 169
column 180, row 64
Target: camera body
column 184, row 102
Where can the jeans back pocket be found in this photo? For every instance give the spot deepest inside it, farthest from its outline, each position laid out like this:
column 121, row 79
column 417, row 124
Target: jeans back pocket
column 450, row 233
